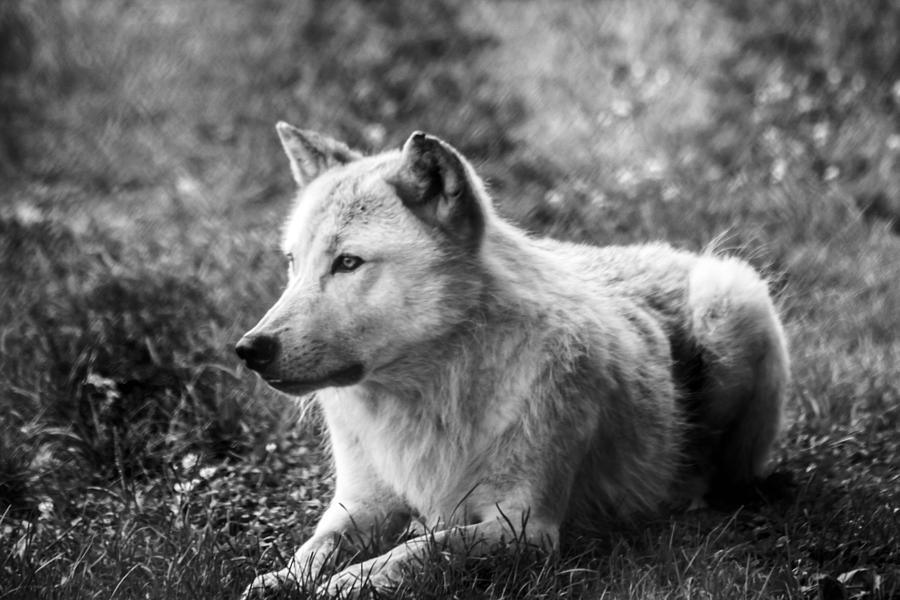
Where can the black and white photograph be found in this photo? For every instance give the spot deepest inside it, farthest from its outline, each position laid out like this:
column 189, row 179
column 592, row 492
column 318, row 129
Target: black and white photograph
column 431, row 299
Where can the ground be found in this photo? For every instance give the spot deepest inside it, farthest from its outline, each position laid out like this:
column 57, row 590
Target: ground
column 142, row 190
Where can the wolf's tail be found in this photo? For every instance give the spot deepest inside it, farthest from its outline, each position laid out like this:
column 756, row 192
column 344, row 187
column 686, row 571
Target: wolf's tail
column 746, row 366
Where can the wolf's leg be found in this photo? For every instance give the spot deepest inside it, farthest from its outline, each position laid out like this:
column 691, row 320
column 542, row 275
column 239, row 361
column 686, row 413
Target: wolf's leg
column 385, row 572
column 746, row 366
column 342, row 528
column 365, row 515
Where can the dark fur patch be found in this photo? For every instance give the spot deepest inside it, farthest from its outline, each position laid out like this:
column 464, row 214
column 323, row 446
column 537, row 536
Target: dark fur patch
column 432, row 182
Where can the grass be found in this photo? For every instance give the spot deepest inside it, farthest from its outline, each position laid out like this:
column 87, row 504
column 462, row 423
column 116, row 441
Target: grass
column 142, row 183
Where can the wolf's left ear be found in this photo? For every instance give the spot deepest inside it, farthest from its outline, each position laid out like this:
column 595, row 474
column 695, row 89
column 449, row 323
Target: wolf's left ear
column 311, row 153
column 435, row 184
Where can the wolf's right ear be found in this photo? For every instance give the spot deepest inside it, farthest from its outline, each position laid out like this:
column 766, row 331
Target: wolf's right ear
column 435, row 183
column 311, row 153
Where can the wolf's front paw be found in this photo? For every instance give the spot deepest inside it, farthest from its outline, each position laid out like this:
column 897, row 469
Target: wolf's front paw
column 269, row 583
column 357, row 581
column 342, row 585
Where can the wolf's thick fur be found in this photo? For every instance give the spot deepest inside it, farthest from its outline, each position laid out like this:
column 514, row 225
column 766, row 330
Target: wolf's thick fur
column 474, row 378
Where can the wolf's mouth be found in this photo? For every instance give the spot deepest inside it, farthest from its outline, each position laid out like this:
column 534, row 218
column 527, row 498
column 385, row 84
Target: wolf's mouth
column 299, row 387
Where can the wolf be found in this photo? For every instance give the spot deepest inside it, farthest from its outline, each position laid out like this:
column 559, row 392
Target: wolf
column 489, row 386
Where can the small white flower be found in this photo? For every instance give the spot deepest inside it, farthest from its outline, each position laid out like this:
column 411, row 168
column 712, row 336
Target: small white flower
column 189, row 461
column 820, row 132
column 554, row 197
column 100, row 382
column 779, row 170
column 28, row 214
column 184, row 487
column 626, row 178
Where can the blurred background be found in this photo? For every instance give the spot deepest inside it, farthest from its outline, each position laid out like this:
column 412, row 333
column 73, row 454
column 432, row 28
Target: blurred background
column 142, row 188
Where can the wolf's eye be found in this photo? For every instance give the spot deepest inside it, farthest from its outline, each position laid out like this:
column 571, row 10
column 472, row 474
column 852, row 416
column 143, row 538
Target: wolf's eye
column 346, row 263
column 290, row 259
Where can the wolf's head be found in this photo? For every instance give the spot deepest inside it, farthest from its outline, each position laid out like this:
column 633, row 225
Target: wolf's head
column 382, row 254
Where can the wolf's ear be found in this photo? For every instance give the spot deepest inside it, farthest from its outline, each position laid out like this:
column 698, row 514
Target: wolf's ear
column 435, row 184
column 311, row 153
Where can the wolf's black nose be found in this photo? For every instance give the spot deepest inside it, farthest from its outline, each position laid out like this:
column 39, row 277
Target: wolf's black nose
column 257, row 350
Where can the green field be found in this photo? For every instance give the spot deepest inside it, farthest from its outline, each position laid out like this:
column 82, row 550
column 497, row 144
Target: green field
column 142, row 188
